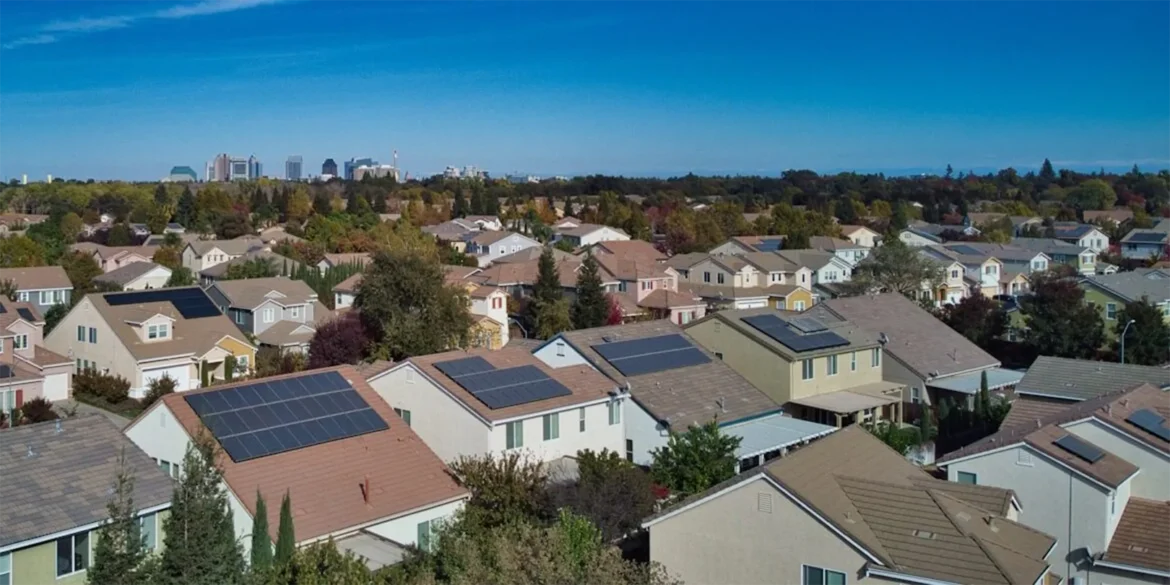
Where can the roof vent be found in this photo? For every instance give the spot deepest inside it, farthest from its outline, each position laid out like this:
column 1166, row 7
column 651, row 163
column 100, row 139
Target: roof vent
column 58, row 428
column 30, row 453
column 924, row 534
column 1038, row 425
column 607, row 338
column 722, row 404
column 883, row 338
column 992, row 524
column 1139, row 549
column 963, row 516
column 849, row 516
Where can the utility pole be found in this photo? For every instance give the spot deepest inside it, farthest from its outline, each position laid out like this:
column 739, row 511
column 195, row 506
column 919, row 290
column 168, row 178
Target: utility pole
column 1123, row 332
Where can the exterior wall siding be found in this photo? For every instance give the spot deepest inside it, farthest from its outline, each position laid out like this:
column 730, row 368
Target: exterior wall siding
column 1153, row 482
column 445, row 425
column 598, row 434
column 404, row 529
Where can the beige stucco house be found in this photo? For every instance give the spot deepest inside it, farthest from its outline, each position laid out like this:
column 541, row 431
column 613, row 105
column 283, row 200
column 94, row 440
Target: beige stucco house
column 200, row 255
column 27, row 369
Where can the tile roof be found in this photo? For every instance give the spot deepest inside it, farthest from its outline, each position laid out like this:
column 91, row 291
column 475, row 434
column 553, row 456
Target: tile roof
column 1050, row 246
column 812, row 259
column 1083, row 379
column 774, row 261
column 639, row 249
column 458, row 273
column 249, row 293
column 1073, row 230
column 585, row 383
column 236, row 247
column 1132, row 286
column 685, row 261
column 111, row 252
column 525, row 273
column 126, row 274
column 284, row 333
column 830, row 244
column 631, row 268
column 11, row 314
column 532, row 253
column 323, row 481
column 1114, row 215
column 1002, row 252
column 189, row 336
column 1142, row 536
column 662, row 298
column 359, row 258
column 753, row 242
column 716, row 292
column 487, row 238
column 585, row 229
column 349, row 285
column 281, row 263
column 37, row 277
column 683, row 396
column 1026, row 409
column 916, row 338
column 374, row 368
column 66, row 482
column 43, row 357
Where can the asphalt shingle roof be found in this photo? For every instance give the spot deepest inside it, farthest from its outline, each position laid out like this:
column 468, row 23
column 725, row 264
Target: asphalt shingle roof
column 37, row 277
column 1132, row 286
column 126, row 274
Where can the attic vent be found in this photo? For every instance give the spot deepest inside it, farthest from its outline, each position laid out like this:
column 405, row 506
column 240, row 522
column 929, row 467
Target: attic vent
column 1138, row 549
column 963, row 516
column 764, row 502
column 924, row 534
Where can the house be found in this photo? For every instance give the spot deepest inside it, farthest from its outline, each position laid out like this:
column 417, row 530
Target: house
column 481, row 222
column 648, row 288
column 1110, row 293
column 323, row 437
column 1053, row 384
column 825, row 373
column 203, row 254
column 567, row 222
column 456, row 402
column 282, row 265
column 632, row 249
column 145, row 335
column 1020, row 223
column 861, row 235
column 518, row 278
column 351, row 259
column 345, row 292
column 159, row 240
column 1117, row 216
column 279, row 234
column 738, row 245
column 1081, row 234
column 41, row 286
column 453, row 232
column 277, row 311
column 489, row 309
column 1144, row 244
column 137, row 276
column 844, row 249
column 980, row 270
column 826, row 267
column 533, row 254
column 110, row 258
column 57, row 483
column 1096, row 473
column 1012, row 258
column 1080, row 258
column 488, row 246
column 918, row 236
column 930, row 359
column 846, row 509
column 672, row 383
column 174, row 228
column 27, row 369
column 776, row 296
column 587, row 234
column 10, row 222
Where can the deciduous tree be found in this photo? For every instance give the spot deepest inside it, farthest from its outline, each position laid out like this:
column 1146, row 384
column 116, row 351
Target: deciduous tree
column 1148, row 339
column 504, row 488
column 977, row 318
column 610, row 491
column 20, row 252
column 340, row 341
column 181, row 276
column 895, row 267
column 695, row 460
column 1060, row 323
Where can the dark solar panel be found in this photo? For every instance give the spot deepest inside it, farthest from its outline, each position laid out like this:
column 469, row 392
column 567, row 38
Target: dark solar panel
column 769, row 245
column 1150, row 422
column 965, row 250
column 25, row 314
column 270, row 417
column 1147, row 238
column 501, row 388
column 192, row 303
column 6, row 371
column 777, row 329
column 1080, row 448
column 464, row 367
column 653, row 354
column 3, row 309
column 807, row 324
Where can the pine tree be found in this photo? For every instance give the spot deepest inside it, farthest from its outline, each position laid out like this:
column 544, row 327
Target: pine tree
column 549, row 311
column 261, row 540
column 379, row 204
column 591, row 307
column 186, row 213
column 201, row 542
column 1046, row 171
column 161, row 196
column 286, row 541
column 459, row 207
column 118, row 553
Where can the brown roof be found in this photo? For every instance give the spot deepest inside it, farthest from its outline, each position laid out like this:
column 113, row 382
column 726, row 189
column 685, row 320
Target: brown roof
column 631, row 268
column 189, row 336
column 110, row 252
column 585, row 229
column 37, row 277
column 636, row 249
column 847, row 229
column 525, row 273
column 1114, row 215
column 714, row 291
column 585, row 383
column 374, row 368
column 128, row 273
column 457, row 273
column 250, row 293
column 685, row 261
column 43, row 357
column 829, row 243
column 235, row 247
column 1027, row 409
column 532, row 253
column 1110, row 470
column 361, row 258
column 771, row 262
column 284, row 333
column 667, row 299
column 916, row 338
column 811, row 259
column 1142, row 537
column 349, row 285
column 751, row 242
column 323, row 480
column 11, row 314
column 486, row 238
column 482, row 292
column 683, row 396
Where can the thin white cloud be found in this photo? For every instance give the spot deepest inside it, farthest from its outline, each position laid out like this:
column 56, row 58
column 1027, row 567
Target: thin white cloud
column 60, row 30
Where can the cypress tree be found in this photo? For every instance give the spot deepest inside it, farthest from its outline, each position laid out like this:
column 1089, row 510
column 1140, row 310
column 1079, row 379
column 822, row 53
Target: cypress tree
column 983, row 401
column 459, row 207
column 161, row 197
column 186, row 213
column 201, row 542
column 547, row 288
column 549, row 311
column 119, row 552
column 261, row 540
column 1046, row 171
column 591, row 309
column 286, row 541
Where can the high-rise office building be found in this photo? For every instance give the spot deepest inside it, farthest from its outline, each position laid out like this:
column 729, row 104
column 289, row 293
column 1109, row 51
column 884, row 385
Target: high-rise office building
column 329, row 168
column 354, row 163
column 237, row 169
column 292, row 168
column 219, row 169
column 255, row 170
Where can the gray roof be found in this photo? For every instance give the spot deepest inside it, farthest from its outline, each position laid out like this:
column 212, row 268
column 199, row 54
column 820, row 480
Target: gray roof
column 1132, row 286
column 1050, row 246
column 858, row 338
column 275, row 259
column 126, row 274
column 1164, row 236
column 1082, row 379
column 916, row 338
column 1002, row 252
column 1073, row 230
column 67, row 481
column 683, row 396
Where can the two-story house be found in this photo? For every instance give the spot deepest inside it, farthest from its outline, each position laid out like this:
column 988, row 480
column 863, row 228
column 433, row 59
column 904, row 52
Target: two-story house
column 487, row 246
column 279, row 312
column 111, row 258
column 27, row 369
column 825, row 267
column 647, row 288
column 1081, row 234
column 825, row 373
column 57, row 479
column 137, row 276
column 1144, row 244
column 746, row 244
column 861, row 235
column 984, row 272
column 200, row 255
column 145, row 335
column 917, row 236
column 345, row 292
column 1110, row 292
column 1080, row 258
column 1053, row 384
column 673, row 383
column 41, row 286
column 1096, row 473
column 587, row 234
column 846, row 250
column 747, row 280
column 281, row 265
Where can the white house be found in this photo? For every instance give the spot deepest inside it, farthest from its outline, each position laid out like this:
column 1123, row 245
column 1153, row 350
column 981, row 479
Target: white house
column 350, row 466
column 1082, row 234
column 137, row 276
column 587, row 234
column 487, row 246
column 917, row 238
column 861, row 235
column 480, row 402
column 200, row 255
column 844, row 249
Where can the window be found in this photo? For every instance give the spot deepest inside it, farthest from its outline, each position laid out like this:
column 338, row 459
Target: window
column 803, row 277
column 239, row 317
column 80, row 333
column 990, row 269
column 706, row 277
column 552, row 426
column 295, row 312
column 967, row 478
column 148, row 528
column 23, row 296
column 58, row 297
column 72, row 553
column 46, row 297
column 158, row 331
column 5, row 568
column 615, row 412
column 515, row 434
column 875, row 357
column 560, row 349
column 954, row 274
column 20, row 342
column 645, row 284
column 831, row 365
column 424, row 535
column 1113, row 503
column 1111, row 311
column 853, row 362
column 581, row 420
column 630, row 450
column 92, row 335
column 798, row 305
column 915, row 395
column 269, row 315
column 403, row 414
column 775, row 276
column 819, row 576
column 806, row 369
column 719, row 277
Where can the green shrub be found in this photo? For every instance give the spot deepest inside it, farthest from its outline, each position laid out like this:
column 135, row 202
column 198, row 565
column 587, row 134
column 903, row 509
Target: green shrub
column 112, row 389
column 158, row 388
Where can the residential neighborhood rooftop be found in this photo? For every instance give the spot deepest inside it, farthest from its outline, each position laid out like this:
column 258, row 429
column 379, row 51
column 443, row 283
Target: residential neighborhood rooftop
column 1069, row 379
column 126, row 274
column 37, row 277
column 250, row 293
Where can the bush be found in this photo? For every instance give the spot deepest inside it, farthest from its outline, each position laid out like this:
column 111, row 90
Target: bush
column 158, row 388
column 37, row 410
column 112, row 389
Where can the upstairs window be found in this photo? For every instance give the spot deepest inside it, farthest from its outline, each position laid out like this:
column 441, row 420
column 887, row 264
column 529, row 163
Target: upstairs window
column 806, row 369
column 20, row 342
column 161, row 331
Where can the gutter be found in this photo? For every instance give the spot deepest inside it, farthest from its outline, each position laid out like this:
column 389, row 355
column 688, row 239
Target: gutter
column 897, row 576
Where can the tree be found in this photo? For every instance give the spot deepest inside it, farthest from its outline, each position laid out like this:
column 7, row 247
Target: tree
column 233, row 225
column 200, row 540
column 927, row 430
column 323, row 203
column 983, row 399
column 504, row 488
column 695, row 460
column 20, row 252
column 81, row 269
column 186, row 212
column 53, row 316
column 548, row 309
column 614, row 314
column 900, row 439
column 1148, row 339
column 8, row 288
column 321, row 563
column 340, row 341
column 610, row 491
column 895, row 267
column 591, row 307
column 119, row 552
column 180, row 276
column 167, row 256
column 459, row 206
column 978, row 318
column 286, row 540
column 1093, row 194
column 253, row 268
column 261, row 540
column 158, row 388
column 407, row 307
column 299, row 206
column 119, row 235
column 1060, row 323
column 71, row 226
column 1046, row 172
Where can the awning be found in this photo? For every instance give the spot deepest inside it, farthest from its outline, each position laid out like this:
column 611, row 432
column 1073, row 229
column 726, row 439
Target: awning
column 854, row 399
column 376, row 551
column 773, row 432
column 970, row 382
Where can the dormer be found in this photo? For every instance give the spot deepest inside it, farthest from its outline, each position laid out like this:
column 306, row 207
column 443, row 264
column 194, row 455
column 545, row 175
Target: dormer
column 156, row 329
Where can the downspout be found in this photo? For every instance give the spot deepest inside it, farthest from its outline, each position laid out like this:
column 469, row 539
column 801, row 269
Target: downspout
column 1068, row 556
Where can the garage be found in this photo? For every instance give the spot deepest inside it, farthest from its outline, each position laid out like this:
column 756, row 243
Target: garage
column 753, row 304
column 56, row 386
column 180, row 374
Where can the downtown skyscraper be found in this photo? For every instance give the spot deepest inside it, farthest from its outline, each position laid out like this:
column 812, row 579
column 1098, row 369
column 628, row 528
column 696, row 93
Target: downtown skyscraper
column 293, row 168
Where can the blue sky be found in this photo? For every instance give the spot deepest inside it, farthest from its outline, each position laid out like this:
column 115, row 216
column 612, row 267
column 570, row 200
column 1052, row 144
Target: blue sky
column 126, row 90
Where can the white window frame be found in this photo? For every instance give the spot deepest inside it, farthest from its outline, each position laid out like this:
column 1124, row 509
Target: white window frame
column 875, row 357
column 615, row 412
column 88, row 560
column 6, row 567
column 560, row 348
column 1111, row 311
column 151, row 518
column 551, row 426
column 269, row 315
column 514, row 435
column 807, row 371
column 798, row 305
column 23, row 296
column 824, row 575
column 240, row 320
column 18, row 342
column 853, row 361
column 581, row 419
column 46, row 297
column 915, row 395
column 295, row 312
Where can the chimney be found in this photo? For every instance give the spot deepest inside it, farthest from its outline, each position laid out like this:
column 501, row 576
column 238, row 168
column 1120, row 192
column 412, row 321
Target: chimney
column 365, row 487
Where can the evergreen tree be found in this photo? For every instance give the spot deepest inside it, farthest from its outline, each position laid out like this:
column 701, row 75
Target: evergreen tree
column 201, row 545
column 1046, row 171
column 119, row 235
column 570, row 207
column 926, row 428
column 118, row 553
column 477, row 202
column 379, row 203
column 323, row 204
column 261, row 540
column 186, row 212
column 353, row 204
column 549, row 311
column 983, row 400
column 161, row 196
column 286, row 540
column 591, row 307
column 459, row 207
column 950, row 171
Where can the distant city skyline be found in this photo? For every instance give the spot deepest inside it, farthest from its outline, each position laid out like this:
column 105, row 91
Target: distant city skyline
column 125, row 90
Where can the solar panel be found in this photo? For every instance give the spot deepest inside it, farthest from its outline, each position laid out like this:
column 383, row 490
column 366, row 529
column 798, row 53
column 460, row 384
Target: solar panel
column 25, row 314
column 1080, row 448
column 807, row 325
column 1151, row 238
column 653, row 354
column 3, row 309
column 769, row 245
column 1150, row 422
column 270, row 417
column 964, row 250
column 501, row 388
column 464, row 367
column 192, row 303
column 777, row 329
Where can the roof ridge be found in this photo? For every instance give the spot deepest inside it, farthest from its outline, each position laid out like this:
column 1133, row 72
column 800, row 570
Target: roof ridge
column 983, row 546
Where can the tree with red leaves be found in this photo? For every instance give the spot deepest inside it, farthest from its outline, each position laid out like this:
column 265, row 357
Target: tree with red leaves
column 341, row 341
column 615, row 311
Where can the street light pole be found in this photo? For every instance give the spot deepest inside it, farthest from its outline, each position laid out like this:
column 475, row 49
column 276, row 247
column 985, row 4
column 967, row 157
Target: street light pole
column 1123, row 332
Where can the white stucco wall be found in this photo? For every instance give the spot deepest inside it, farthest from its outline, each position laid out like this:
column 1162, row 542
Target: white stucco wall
column 598, row 434
column 446, row 426
column 1153, row 482
column 644, row 430
column 404, row 529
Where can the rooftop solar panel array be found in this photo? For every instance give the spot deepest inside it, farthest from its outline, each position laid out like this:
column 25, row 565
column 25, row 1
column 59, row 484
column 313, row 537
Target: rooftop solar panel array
column 652, row 354
column 25, row 314
column 1080, row 448
column 778, row 329
column 192, row 303
column 501, row 388
column 1146, row 238
column 275, row 416
column 807, row 325
column 769, row 245
column 1150, row 422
